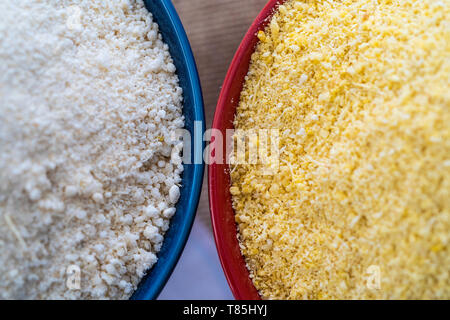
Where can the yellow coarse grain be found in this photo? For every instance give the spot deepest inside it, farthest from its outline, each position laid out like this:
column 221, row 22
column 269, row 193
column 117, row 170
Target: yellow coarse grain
column 360, row 207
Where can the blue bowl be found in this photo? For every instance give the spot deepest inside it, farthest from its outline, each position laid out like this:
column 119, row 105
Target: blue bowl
column 180, row 226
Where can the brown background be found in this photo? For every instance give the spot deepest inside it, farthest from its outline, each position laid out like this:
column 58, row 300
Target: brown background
column 215, row 28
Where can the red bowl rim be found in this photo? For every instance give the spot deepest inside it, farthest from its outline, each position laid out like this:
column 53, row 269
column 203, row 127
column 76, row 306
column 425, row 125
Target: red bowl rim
column 222, row 214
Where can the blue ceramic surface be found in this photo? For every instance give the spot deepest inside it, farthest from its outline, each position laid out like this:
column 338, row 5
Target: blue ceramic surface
column 180, row 226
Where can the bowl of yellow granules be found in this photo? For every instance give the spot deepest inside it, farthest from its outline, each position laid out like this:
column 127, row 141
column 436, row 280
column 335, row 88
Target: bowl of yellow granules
column 353, row 199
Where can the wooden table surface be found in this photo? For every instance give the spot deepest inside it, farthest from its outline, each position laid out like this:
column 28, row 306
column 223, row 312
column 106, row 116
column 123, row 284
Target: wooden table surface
column 215, row 28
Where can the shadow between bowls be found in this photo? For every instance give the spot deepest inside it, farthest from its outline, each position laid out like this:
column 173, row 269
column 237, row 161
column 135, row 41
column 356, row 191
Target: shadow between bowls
column 222, row 213
column 176, row 237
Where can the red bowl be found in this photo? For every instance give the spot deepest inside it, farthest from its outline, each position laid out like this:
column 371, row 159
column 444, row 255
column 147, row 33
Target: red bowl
column 222, row 213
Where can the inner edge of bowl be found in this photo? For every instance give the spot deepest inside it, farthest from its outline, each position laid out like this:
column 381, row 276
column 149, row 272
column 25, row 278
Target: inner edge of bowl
column 175, row 239
column 222, row 212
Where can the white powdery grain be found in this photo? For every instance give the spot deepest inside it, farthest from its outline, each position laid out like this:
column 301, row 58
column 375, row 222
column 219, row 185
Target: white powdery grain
column 88, row 97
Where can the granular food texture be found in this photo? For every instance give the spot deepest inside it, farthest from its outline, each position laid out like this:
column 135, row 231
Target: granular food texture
column 360, row 207
column 89, row 176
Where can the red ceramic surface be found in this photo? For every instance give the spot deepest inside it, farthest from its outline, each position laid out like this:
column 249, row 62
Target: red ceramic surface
column 222, row 213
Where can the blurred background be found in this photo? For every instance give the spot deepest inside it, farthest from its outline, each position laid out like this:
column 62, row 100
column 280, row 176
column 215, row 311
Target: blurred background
column 215, row 28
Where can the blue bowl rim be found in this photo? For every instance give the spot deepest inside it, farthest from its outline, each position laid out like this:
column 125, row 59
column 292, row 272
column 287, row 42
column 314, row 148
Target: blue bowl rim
column 158, row 280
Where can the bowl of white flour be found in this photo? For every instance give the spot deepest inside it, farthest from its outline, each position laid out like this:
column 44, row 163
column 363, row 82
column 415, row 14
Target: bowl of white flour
column 96, row 199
